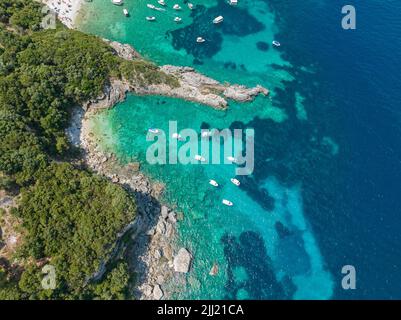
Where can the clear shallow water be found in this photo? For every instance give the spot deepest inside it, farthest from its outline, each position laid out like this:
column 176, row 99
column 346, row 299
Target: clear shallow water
column 316, row 200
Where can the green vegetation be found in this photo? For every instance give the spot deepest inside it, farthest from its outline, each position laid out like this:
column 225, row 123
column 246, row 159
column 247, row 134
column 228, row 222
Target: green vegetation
column 114, row 286
column 25, row 14
column 70, row 217
column 143, row 73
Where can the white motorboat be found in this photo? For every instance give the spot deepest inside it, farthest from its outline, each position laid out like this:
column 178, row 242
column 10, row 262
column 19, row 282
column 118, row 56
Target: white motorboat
column 176, row 135
column 227, row 202
column 199, row 158
column 276, row 43
column 190, row 6
column 117, row 2
column 232, row 159
column 150, row 6
column 213, row 183
column 153, row 130
column 151, row 18
column 206, row 134
column 218, row 19
column 177, row 19
column 235, row 181
column 161, row 2
column 126, row 13
column 176, row 7
column 233, row 2
column 200, row 40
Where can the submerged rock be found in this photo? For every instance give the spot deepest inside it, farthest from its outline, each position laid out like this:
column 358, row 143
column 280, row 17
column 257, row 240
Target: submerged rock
column 182, row 261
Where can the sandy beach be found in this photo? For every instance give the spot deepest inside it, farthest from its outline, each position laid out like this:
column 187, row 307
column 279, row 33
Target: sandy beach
column 66, row 10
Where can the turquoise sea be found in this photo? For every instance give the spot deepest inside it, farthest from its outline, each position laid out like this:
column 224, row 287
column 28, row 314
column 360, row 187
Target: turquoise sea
column 326, row 185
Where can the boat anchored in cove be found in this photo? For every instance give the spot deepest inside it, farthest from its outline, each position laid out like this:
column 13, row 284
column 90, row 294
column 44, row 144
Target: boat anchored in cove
column 213, row 183
column 218, row 20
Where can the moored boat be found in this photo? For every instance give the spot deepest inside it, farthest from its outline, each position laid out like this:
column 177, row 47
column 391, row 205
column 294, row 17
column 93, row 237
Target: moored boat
column 150, row 6
column 235, row 181
column 227, row 202
column 117, row 2
column 213, row 183
column 151, row 18
column 161, row 2
column 200, row 40
column 218, row 19
column 190, row 6
column 205, row 134
column 176, row 135
column 126, row 13
column 233, row 2
column 177, row 19
column 276, row 43
column 154, row 130
column 199, row 158
column 176, row 7
column 231, row 159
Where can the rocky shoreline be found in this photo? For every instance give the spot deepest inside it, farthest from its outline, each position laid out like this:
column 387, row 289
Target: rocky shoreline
column 154, row 253
column 199, row 88
column 193, row 86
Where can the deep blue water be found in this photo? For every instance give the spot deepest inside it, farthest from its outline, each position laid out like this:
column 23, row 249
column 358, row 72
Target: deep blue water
column 359, row 97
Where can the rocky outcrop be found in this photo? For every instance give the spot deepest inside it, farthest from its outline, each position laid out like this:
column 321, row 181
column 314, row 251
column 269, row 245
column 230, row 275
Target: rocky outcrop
column 159, row 254
column 182, row 261
column 196, row 87
column 113, row 93
column 157, row 292
column 125, row 51
column 193, row 86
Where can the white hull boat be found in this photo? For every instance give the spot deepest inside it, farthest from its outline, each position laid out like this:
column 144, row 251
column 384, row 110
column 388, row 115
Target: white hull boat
column 151, row 18
column 227, row 202
column 276, row 43
column 213, row 183
column 200, row 40
column 231, row 159
column 117, row 2
column 218, row 20
column 235, row 181
column 176, row 7
column 154, row 131
column 199, row 158
column 206, row 134
column 176, row 136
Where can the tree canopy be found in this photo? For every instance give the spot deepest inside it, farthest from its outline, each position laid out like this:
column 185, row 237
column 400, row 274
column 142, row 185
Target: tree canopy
column 70, row 216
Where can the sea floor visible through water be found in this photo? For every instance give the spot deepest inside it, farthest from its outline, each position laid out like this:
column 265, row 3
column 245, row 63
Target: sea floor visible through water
column 286, row 235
